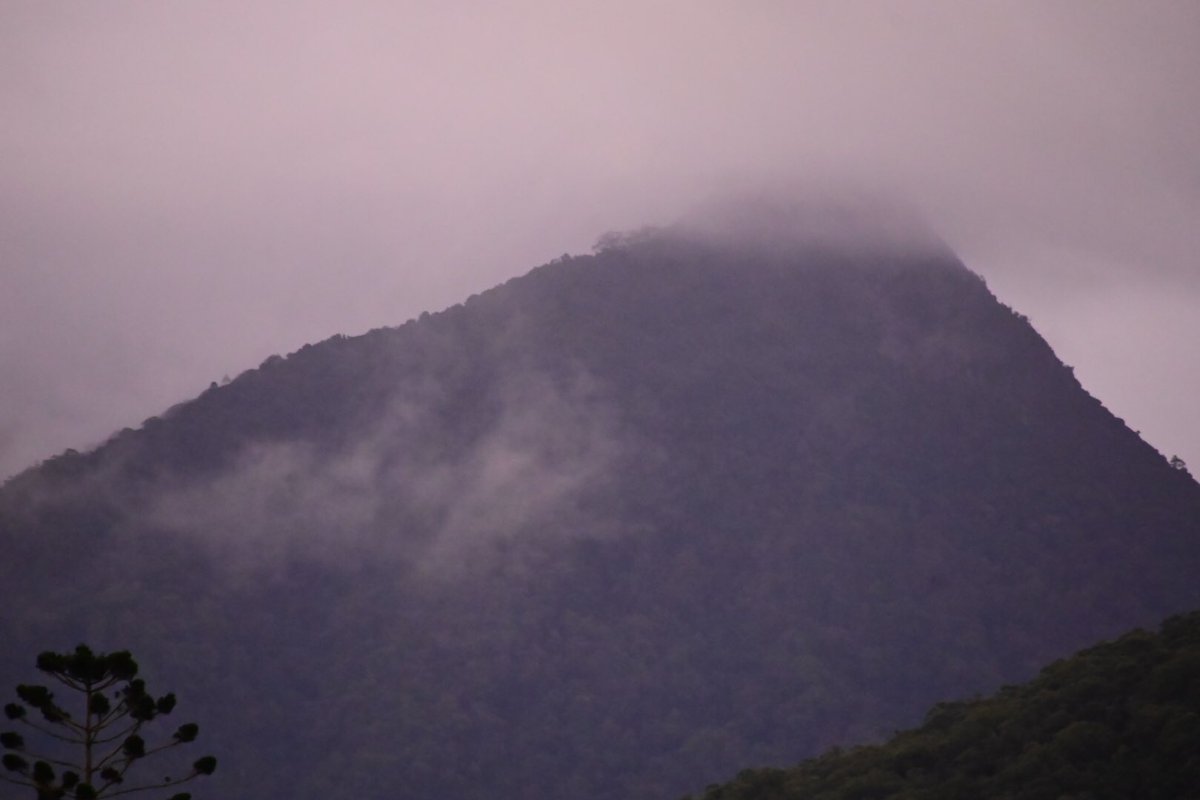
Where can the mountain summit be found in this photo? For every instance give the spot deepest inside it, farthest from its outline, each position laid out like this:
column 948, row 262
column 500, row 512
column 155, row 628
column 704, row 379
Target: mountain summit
column 614, row 529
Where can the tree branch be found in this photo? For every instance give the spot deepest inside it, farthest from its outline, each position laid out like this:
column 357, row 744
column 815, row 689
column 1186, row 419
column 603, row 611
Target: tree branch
column 150, row 752
column 161, row 747
column 119, row 748
column 50, row 733
column 7, row 779
column 48, row 760
column 131, row 729
column 63, row 679
column 108, row 683
column 150, row 787
column 118, row 710
column 119, row 779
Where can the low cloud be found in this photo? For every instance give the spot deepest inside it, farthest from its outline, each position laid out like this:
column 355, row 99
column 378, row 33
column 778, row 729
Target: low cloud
column 521, row 483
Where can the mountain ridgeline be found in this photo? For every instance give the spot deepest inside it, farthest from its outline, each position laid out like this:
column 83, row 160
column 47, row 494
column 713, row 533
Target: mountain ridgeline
column 614, row 529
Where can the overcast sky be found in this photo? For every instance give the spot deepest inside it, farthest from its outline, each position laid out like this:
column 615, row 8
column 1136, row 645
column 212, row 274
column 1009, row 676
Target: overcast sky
column 188, row 188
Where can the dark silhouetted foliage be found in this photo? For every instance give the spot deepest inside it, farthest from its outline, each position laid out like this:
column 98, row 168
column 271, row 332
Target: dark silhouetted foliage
column 87, row 744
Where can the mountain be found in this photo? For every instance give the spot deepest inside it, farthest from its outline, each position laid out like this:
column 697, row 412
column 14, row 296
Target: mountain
column 1118, row 721
column 614, row 529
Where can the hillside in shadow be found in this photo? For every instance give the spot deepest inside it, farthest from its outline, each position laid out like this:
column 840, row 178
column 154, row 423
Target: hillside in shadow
column 614, row 529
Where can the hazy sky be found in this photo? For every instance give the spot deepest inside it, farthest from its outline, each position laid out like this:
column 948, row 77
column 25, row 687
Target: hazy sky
column 188, row 188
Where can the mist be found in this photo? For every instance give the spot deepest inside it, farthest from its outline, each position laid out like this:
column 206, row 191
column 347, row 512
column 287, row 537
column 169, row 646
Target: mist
column 395, row 492
column 185, row 191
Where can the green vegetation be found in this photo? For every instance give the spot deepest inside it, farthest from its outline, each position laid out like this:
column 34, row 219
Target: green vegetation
column 96, row 738
column 612, row 530
column 1120, row 721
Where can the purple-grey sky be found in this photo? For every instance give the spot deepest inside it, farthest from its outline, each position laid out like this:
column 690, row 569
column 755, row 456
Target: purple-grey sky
column 187, row 188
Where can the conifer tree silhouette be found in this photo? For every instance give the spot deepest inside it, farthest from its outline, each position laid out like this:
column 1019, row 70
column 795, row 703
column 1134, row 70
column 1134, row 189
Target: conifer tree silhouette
column 89, row 745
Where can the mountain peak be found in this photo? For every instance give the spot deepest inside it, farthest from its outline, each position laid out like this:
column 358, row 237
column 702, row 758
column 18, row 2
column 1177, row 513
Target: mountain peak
column 777, row 219
column 706, row 498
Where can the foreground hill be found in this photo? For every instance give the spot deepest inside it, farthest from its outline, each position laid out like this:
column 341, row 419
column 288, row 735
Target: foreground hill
column 611, row 530
column 1117, row 721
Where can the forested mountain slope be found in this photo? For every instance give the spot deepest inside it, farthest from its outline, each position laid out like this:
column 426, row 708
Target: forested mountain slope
column 1118, row 721
column 614, row 529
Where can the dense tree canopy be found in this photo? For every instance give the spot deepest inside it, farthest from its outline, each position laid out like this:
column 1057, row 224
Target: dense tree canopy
column 1119, row 721
column 613, row 530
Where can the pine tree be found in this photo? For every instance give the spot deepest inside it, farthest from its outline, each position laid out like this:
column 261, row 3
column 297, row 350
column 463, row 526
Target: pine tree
column 86, row 755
